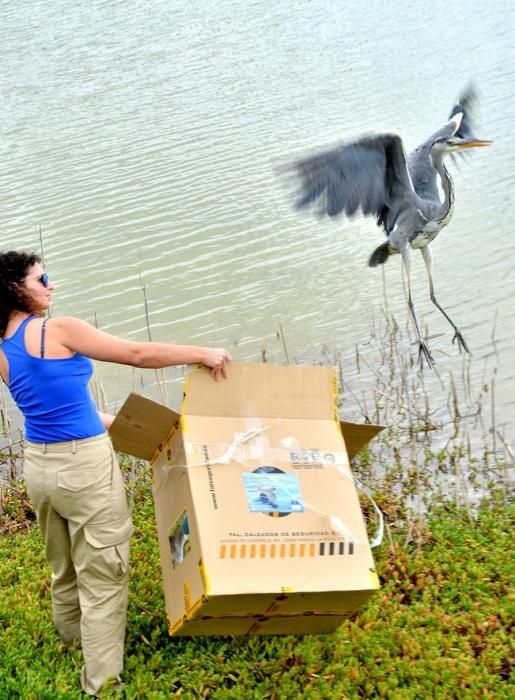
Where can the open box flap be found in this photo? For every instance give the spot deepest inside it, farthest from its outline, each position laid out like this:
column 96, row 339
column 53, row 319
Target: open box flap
column 357, row 435
column 141, row 426
column 264, row 390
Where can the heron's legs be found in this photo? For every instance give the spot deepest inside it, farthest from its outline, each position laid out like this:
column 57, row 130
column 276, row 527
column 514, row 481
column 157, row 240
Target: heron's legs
column 423, row 350
column 428, row 260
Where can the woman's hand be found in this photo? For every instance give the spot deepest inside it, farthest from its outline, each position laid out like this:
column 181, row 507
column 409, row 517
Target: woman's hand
column 217, row 359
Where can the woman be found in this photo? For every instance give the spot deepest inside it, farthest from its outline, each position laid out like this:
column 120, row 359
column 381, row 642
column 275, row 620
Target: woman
column 71, row 471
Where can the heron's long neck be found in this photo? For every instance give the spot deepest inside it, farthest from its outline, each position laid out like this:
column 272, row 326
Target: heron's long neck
column 447, row 186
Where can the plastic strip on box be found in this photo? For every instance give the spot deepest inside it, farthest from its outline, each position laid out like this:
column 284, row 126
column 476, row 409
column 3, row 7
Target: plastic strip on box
column 230, row 454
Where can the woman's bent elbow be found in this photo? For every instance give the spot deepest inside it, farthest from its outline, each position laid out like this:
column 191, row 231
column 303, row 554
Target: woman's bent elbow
column 137, row 357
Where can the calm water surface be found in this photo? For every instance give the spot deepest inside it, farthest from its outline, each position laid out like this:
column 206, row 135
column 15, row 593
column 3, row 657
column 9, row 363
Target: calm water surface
column 143, row 138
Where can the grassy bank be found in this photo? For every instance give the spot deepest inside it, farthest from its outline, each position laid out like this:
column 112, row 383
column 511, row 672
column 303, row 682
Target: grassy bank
column 438, row 628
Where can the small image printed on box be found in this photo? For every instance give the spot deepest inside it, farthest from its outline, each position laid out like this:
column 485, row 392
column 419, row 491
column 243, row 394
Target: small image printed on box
column 270, row 490
column 179, row 538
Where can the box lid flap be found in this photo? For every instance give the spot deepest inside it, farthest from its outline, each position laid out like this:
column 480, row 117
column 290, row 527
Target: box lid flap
column 141, row 426
column 263, row 390
column 356, row 435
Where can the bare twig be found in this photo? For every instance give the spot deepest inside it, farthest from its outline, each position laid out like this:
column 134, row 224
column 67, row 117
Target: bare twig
column 283, row 341
column 159, row 374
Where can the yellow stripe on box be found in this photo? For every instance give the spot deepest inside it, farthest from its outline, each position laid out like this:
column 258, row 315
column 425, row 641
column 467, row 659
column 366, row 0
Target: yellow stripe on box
column 187, row 596
column 204, row 578
column 290, row 550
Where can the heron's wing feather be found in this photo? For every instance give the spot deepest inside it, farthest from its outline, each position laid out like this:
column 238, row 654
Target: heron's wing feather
column 465, row 105
column 367, row 175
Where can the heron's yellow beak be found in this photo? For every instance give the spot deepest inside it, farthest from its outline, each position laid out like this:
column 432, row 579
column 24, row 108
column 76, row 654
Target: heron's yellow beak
column 474, row 143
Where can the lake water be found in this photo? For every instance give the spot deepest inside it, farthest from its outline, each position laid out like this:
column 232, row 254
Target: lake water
column 144, row 138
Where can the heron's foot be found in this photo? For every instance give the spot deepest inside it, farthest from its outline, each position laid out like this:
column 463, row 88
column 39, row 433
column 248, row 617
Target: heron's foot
column 424, row 355
column 460, row 340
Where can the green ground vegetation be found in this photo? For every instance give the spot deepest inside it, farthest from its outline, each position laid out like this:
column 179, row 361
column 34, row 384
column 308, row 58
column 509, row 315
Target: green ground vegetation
column 439, row 627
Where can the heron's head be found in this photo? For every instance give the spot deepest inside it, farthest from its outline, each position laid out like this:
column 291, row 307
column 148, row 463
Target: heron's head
column 452, row 144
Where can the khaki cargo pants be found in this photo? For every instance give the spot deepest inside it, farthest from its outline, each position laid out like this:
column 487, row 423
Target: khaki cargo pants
column 78, row 493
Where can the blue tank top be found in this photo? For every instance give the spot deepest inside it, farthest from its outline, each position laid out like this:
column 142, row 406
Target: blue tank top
column 52, row 393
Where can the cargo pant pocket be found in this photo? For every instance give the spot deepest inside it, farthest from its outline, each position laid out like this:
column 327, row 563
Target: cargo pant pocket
column 107, row 552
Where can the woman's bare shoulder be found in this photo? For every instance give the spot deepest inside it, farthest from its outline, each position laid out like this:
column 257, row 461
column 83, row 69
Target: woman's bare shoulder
column 68, row 323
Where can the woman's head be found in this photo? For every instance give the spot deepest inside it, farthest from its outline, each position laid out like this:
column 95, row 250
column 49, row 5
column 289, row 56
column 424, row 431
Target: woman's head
column 22, row 286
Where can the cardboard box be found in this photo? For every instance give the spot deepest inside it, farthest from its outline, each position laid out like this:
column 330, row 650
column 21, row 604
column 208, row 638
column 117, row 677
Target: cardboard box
column 259, row 523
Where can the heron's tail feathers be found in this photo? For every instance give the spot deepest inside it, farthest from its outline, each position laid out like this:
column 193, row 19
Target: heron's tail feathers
column 380, row 255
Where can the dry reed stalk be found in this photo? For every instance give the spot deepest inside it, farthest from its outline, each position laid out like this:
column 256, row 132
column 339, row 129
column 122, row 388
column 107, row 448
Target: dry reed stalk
column 161, row 383
column 131, row 485
column 493, row 430
column 283, row 341
column 96, row 384
column 43, row 259
column 9, row 447
column 505, row 472
column 507, row 448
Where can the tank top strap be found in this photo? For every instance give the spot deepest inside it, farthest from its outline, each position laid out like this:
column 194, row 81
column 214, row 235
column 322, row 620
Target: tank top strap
column 42, row 345
column 20, row 331
column 18, row 338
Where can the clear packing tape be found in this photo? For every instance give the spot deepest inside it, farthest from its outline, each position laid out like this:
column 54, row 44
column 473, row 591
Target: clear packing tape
column 234, row 452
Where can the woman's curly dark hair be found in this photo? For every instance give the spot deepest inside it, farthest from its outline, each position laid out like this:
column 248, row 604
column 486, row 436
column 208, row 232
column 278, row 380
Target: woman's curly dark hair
column 14, row 267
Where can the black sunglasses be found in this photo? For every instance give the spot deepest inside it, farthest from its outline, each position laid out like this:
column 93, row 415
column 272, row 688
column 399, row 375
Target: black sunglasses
column 43, row 279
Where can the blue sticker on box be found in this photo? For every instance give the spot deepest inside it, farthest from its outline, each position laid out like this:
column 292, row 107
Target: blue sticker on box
column 273, row 491
column 179, row 539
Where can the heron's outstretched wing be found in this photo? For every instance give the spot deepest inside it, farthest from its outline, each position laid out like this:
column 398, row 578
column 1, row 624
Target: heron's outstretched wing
column 465, row 105
column 370, row 175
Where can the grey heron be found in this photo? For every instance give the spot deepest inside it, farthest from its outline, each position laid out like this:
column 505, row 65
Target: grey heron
column 411, row 197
